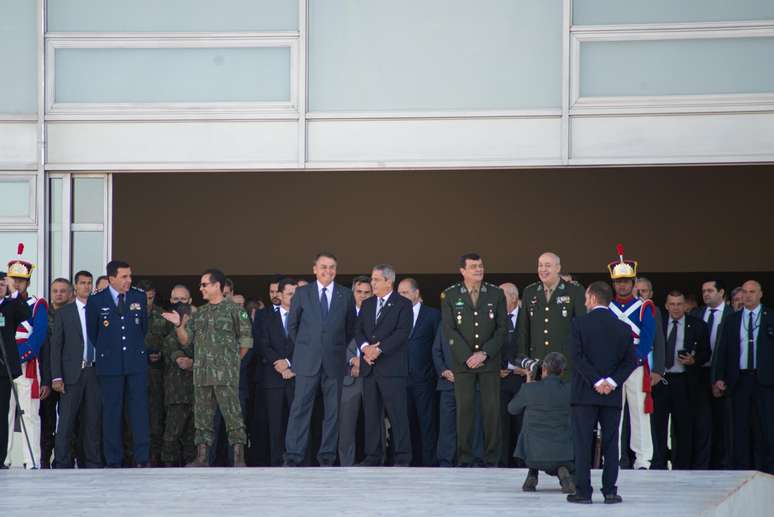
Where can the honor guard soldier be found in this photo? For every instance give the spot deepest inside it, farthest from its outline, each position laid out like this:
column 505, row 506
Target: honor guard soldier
column 475, row 322
column 116, row 324
column 30, row 338
column 548, row 307
column 640, row 316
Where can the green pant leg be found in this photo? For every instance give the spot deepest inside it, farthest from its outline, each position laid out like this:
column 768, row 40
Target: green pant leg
column 489, row 386
column 228, row 401
column 204, row 412
column 156, row 409
column 187, row 438
column 174, row 426
column 465, row 396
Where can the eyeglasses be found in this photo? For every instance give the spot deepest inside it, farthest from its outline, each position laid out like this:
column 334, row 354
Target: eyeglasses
column 205, row 284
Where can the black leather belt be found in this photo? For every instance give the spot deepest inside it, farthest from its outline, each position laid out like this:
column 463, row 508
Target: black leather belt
column 88, row 364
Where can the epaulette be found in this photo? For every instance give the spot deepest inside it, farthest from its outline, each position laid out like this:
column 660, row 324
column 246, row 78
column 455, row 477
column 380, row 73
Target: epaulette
column 137, row 289
column 443, row 293
column 533, row 284
column 575, row 282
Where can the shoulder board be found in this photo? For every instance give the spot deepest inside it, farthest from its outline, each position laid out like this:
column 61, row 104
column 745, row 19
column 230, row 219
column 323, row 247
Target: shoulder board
column 137, row 289
column 575, row 282
column 451, row 287
column 533, row 284
column 492, row 286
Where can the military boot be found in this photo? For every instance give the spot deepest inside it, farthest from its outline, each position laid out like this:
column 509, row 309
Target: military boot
column 201, row 457
column 239, row 455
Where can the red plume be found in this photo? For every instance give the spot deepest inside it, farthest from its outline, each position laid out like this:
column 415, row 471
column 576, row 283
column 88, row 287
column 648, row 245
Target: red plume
column 20, row 249
column 619, row 249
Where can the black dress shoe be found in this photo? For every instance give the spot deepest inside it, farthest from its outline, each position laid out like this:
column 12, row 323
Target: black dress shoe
column 290, row 463
column 579, row 499
column 326, row 463
column 613, row 499
column 464, row 465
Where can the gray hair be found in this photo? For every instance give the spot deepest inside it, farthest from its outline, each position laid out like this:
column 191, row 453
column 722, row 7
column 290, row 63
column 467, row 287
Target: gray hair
column 555, row 363
column 387, row 270
column 646, row 280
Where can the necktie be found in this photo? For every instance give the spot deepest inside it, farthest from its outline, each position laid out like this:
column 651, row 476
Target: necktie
column 379, row 309
column 284, row 322
column 750, row 343
column 512, row 319
column 324, row 304
column 671, row 345
column 121, row 304
column 711, row 319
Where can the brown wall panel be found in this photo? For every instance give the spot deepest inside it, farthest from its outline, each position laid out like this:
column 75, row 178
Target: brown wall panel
column 672, row 219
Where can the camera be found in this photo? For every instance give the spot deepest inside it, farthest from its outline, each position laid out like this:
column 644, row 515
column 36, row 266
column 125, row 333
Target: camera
column 531, row 365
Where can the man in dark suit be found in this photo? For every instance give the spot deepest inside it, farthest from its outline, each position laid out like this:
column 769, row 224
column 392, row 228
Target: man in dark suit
column 745, row 370
column 13, row 311
column 116, row 324
column 603, row 351
column 276, row 348
column 383, row 328
column 712, row 442
column 320, row 325
column 545, row 441
column 421, row 375
column 74, row 377
column 687, row 348
column 511, row 379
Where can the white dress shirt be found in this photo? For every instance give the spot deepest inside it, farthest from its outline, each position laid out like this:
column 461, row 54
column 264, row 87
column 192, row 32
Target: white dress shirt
column 677, row 367
column 756, row 317
column 415, row 308
column 328, row 289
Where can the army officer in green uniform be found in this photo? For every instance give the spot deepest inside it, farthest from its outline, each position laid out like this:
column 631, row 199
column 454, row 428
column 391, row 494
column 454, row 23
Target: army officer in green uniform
column 548, row 307
column 475, row 325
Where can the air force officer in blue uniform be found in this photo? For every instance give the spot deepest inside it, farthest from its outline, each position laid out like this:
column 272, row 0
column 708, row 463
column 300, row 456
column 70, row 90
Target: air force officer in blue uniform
column 116, row 322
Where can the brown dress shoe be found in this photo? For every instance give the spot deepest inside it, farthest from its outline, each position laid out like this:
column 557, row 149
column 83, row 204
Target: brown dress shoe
column 239, row 455
column 201, row 457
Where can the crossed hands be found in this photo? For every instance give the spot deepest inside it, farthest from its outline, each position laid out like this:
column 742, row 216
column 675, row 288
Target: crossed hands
column 604, row 388
column 476, row 360
column 371, row 353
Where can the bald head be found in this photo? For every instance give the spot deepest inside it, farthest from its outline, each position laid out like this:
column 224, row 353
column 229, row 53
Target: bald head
column 751, row 294
column 549, row 267
column 511, row 295
column 180, row 293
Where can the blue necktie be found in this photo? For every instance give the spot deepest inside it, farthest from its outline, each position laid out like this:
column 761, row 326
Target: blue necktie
column 324, row 304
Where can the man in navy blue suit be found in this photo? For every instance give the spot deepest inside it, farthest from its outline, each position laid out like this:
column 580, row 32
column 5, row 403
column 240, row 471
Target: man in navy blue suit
column 421, row 377
column 603, row 355
column 116, row 324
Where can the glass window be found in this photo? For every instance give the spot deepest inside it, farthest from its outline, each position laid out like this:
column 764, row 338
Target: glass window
column 18, row 57
column 88, row 200
column 115, row 75
column 676, row 67
column 56, row 216
column 372, row 55
column 610, row 12
column 171, row 15
column 15, row 198
column 88, row 253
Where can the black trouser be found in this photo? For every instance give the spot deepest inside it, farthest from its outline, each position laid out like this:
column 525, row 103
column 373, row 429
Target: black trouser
column 465, row 394
column 5, row 400
column 47, row 414
column 702, row 422
column 673, row 398
column 386, row 394
column 753, row 435
column 511, row 424
column 422, row 423
column 278, row 402
column 584, row 420
column 80, row 403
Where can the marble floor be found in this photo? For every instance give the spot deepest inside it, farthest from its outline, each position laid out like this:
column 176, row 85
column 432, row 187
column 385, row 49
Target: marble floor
column 369, row 492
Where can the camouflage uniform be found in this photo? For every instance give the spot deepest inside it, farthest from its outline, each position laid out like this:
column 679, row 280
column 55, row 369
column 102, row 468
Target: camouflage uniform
column 178, row 403
column 218, row 332
column 158, row 328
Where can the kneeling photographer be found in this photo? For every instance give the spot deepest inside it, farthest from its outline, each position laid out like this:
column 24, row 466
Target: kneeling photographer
column 545, row 442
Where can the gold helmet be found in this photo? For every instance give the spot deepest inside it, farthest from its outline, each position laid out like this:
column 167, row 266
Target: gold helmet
column 18, row 267
column 622, row 268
